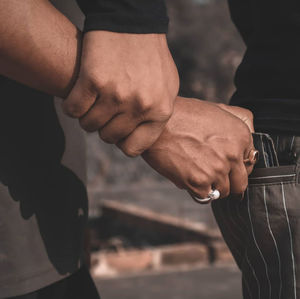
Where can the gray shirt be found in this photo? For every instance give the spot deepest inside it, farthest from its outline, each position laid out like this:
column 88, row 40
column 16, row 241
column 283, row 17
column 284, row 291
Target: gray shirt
column 43, row 200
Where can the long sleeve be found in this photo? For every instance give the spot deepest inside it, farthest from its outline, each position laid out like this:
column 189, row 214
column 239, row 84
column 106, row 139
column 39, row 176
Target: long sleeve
column 130, row 16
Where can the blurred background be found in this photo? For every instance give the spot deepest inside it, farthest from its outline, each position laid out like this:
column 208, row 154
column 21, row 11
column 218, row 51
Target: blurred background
column 148, row 239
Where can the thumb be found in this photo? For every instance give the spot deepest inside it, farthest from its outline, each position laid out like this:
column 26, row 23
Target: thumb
column 79, row 101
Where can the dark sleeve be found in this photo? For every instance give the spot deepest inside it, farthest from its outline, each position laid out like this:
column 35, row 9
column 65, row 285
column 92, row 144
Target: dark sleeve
column 130, row 16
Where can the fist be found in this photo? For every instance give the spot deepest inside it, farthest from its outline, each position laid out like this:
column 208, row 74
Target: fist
column 126, row 88
column 203, row 147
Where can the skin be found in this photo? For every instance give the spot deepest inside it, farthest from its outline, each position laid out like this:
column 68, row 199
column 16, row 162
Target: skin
column 40, row 52
column 126, row 88
column 201, row 144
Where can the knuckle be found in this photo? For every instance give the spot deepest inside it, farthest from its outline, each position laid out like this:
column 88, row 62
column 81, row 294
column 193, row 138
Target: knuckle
column 74, row 110
column 198, row 181
column 193, row 181
column 118, row 98
column 87, row 126
column 106, row 138
column 93, row 81
column 145, row 103
column 114, row 94
column 221, row 168
column 131, row 152
column 235, row 156
column 165, row 111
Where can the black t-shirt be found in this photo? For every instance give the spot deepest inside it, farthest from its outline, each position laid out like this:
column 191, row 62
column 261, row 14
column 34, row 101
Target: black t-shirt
column 267, row 80
column 131, row 16
column 43, row 203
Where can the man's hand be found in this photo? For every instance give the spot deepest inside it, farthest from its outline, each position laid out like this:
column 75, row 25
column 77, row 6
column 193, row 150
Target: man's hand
column 126, row 88
column 203, row 147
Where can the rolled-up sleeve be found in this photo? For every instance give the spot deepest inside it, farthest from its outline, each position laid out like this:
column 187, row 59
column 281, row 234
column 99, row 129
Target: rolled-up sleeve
column 127, row 16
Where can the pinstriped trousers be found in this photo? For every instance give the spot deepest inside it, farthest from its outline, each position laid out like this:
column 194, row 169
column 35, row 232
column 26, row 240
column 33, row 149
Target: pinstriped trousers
column 263, row 230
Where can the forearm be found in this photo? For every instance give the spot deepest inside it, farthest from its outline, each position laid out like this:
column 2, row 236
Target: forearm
column 39, row 47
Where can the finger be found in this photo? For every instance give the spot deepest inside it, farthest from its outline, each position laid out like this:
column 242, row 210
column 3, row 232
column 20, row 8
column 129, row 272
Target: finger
column 223, row 186
column 118, row 128
column 247, row 153
column 249, row 169
column 201, row 192
column 79, row 101
column 238, row 179
column 142, row 138
column 99, row 115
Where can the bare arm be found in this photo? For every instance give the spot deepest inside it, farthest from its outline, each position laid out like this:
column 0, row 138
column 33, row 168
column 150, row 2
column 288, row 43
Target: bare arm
column 39, row 46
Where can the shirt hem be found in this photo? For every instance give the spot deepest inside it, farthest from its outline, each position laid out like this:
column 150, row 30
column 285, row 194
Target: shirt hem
column 31, row 283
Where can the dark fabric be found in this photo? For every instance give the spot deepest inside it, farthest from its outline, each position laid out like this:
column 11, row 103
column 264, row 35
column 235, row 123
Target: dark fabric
column 78, row 285
column 43, row 209
column 263, row 230
column 267, row 79
column 131, row 16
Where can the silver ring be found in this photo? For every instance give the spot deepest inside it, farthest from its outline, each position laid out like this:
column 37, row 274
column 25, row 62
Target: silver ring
column 213, row 195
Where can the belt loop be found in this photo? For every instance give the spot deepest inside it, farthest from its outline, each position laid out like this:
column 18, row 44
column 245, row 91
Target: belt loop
column 267, row 152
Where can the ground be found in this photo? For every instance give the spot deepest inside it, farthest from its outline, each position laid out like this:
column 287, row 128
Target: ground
column 208, row 282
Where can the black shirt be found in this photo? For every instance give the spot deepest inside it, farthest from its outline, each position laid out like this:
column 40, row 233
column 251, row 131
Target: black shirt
column 267, row 80
column 131, row 16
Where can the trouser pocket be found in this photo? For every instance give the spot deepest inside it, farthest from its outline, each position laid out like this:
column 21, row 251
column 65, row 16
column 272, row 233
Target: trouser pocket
column 263, row 230
column 263, row 234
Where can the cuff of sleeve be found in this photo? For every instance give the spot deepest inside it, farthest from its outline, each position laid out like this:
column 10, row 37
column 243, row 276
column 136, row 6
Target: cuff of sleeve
column 125, row 24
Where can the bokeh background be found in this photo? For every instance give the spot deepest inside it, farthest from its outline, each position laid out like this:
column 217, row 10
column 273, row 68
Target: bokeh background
column 148, row 239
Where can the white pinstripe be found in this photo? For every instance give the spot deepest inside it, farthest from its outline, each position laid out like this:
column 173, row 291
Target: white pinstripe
column 263, row 150
column 246, row 255
column 273, row 177
column 254, row 274
column 292, row 143
column 236, row 225
column 291, row 239
column 240, row 255
column 247, row 259
column 253, row 235
column 275, row 243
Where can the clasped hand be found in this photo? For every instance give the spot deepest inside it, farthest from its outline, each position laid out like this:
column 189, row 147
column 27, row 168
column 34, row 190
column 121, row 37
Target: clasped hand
column 203, row 147
column 126, row 88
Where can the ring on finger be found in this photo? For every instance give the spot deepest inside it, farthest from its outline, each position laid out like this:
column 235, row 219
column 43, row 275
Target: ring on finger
column 212, row 195
column 252, row 157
